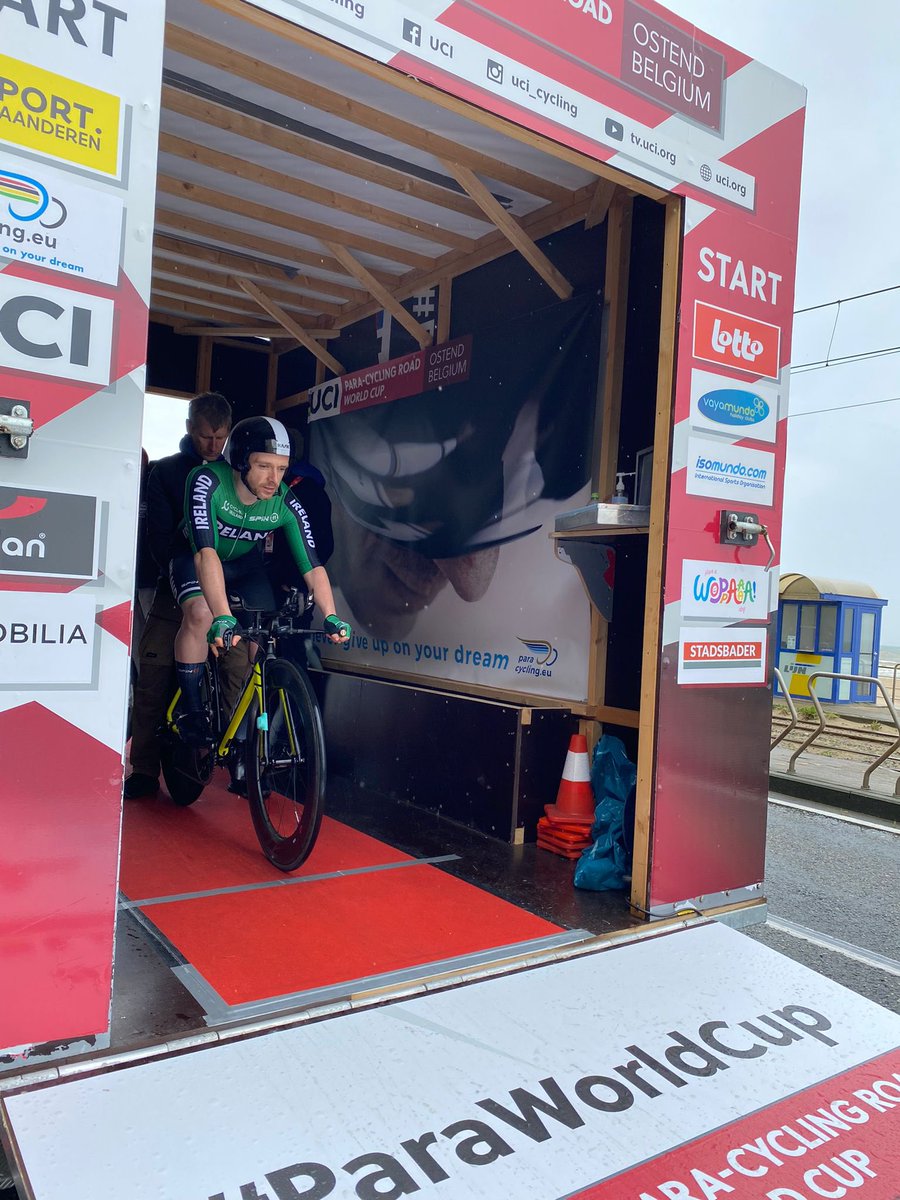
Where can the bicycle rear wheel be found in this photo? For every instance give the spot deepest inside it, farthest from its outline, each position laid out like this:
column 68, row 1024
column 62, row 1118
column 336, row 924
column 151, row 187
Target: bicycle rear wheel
column 286, row 785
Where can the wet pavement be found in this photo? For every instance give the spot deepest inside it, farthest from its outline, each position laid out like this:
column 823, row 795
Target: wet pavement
column 837, row 878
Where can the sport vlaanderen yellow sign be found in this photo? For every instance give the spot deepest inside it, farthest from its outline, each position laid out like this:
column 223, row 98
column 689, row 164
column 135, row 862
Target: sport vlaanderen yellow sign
column 59, row 117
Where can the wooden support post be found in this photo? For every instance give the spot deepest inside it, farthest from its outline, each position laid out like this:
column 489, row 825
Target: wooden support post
column 615, row 296
column 271, row 384
column 204, row 364
column 386, row 298
column 662, row 453
column 445, row 303
column 294, row 328
column 511, row 229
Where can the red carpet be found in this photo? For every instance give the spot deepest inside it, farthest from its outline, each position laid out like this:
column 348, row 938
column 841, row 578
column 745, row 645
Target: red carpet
column 269, row 942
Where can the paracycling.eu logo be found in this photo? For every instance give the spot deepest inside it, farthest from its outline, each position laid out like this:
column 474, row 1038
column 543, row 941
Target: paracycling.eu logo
column 732, row 406
column 31, row 200
column 539, row 660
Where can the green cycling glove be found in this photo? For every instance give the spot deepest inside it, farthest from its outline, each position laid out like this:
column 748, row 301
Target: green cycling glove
column 334, row 625
column 224, row 628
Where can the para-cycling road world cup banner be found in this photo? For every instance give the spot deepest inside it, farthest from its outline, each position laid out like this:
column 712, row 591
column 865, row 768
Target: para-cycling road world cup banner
column 746, row 1077
column 79, row 114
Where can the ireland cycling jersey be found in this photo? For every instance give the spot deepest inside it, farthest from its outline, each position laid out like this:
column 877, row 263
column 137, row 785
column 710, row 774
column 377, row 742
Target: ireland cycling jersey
column 216, row 518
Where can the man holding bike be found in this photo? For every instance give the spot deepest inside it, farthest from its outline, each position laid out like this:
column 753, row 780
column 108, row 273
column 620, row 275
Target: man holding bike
column 230, row 508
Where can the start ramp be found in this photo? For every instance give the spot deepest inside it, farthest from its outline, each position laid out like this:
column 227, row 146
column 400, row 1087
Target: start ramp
column 688, row 1065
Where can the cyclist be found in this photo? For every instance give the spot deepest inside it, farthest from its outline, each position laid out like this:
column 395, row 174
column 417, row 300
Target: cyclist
column 230, row 507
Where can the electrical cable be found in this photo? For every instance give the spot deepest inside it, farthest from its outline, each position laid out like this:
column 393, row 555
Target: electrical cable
column 846, row 299
column 861, row 356
column 843, row 407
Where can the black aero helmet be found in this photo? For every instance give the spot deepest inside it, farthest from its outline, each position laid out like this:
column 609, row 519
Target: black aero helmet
column 255, row 435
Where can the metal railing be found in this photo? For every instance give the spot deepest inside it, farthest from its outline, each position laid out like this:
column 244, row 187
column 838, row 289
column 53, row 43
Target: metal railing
column 789, row 700
column 804, row 745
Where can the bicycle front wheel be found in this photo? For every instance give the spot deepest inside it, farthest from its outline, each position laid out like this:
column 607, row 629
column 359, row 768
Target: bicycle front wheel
column 286, row 766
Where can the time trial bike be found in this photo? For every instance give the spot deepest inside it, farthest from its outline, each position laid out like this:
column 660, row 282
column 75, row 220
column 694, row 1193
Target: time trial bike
column 273, row 741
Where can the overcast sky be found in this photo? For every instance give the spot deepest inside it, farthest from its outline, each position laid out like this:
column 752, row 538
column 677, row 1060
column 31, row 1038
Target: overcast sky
column 842, row 464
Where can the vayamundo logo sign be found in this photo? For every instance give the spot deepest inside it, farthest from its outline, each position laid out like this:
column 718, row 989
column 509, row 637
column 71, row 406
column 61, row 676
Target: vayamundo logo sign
column 47, row 533
column 725, row 406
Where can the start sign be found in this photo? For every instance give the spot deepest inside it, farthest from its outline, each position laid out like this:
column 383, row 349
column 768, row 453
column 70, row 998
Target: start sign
column 690, row 1066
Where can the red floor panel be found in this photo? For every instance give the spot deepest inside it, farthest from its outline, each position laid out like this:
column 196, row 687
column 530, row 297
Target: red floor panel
column 211, row 844
column 277, row 941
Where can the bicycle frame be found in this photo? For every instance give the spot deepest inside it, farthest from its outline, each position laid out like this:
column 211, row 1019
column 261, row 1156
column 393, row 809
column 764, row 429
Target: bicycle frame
column 253, row 690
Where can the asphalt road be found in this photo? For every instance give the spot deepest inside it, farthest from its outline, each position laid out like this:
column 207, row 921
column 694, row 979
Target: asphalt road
column 837, row 881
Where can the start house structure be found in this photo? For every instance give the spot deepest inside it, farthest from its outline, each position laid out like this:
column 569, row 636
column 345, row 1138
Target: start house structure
column 484, row 258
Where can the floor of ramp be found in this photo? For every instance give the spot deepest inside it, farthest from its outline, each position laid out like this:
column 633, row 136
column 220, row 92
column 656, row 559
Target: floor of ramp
column 244, row 938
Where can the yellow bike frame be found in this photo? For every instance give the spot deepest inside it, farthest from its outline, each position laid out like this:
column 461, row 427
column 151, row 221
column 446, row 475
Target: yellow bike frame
column 252, row 690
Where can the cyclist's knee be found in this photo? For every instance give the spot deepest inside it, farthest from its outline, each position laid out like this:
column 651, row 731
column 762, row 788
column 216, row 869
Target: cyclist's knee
column 196, row 616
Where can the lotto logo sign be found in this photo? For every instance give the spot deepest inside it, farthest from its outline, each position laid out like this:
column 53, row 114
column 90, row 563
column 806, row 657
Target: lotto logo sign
column 732, row 340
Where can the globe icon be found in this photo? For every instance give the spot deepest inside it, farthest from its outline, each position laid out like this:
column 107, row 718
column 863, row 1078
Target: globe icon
column 705, row 173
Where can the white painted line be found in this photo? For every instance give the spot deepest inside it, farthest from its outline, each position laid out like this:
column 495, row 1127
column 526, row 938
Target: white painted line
column 884, row 826
column 125, row 903
column 869, row 958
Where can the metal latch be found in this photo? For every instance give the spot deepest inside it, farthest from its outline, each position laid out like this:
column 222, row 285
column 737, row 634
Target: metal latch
column 743, row 529
column 16, row 427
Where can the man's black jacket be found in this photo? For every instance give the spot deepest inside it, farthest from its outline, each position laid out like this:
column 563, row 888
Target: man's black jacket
column 165, row 503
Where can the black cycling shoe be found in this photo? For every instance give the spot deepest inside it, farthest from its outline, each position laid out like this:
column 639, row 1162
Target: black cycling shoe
column 194, row 729
column 137, row 784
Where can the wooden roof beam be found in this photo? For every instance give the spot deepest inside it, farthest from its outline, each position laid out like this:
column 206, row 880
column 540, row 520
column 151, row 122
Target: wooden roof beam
column 604, row 191
column 249, row 210
column 230, row 331
column 241, row 168
column 537, row 225
column 166, row 246
column 273, row 333
column 381, row 294
column 219, row 116
column 220, row 282
column 511, row 229
column 293, row 327
column 284, row 83
column 283, row 252
column 317, row 44
column 229, row 302
column 188, row 310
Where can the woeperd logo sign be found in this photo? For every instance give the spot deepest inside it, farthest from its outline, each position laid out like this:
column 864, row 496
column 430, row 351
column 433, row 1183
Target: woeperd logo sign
column 53, row 534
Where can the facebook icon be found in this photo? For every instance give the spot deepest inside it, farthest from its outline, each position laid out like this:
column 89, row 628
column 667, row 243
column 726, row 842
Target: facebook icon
column 412, row 33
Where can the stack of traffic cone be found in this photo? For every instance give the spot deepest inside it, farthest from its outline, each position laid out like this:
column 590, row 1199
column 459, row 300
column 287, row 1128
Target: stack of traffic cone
column 566, row 828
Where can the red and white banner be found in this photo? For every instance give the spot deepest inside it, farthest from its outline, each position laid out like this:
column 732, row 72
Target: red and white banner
column 622, row 1075
column 80, row 88
column 384, row 382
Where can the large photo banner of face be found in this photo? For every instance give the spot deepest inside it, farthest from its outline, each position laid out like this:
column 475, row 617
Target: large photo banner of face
column 443, row 506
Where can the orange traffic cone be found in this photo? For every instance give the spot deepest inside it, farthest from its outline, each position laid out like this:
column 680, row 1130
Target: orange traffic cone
column 575, row 798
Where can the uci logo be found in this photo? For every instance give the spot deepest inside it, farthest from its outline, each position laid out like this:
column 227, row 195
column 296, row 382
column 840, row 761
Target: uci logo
column 731, row 406
column 325, row 400
column 55, row 331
